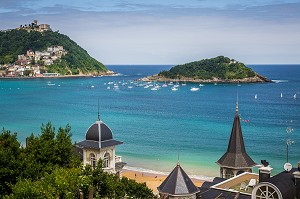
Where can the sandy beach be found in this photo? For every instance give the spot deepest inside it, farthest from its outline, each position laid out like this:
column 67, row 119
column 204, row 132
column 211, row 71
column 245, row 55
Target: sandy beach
column 152, row 180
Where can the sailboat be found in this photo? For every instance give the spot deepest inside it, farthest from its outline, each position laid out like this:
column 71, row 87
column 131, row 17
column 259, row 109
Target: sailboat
column 165, row 84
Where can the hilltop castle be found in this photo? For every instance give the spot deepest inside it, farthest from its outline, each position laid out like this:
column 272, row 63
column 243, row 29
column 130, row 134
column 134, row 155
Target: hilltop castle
column 35, row 27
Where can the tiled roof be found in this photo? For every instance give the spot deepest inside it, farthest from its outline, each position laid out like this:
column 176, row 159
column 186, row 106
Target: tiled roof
column 236, row 156
column 178, row 183
column 95, row 144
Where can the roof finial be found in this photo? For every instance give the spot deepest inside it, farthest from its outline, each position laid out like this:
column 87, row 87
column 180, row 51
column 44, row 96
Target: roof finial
column 237, row 102
column 178, row 162
column 98, row 111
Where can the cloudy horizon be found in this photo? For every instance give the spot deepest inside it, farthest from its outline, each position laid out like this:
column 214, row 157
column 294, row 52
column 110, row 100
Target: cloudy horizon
column 169, row 32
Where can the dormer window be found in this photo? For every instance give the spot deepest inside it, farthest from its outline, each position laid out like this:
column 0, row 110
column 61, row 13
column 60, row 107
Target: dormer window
column 266, row 191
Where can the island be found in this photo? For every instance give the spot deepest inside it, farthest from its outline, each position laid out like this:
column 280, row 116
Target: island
column 34, row 50
column 215, row 70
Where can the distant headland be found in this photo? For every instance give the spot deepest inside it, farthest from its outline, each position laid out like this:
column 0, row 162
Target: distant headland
column 215, row 70
column 34, row 50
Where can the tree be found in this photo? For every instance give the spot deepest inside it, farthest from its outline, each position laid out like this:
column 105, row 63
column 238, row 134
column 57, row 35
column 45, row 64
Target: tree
column 9, row 160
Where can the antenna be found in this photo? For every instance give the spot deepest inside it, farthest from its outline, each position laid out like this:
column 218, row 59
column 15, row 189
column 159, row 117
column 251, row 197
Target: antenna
column 178, row 162
column 237, row 100
column 98, row 111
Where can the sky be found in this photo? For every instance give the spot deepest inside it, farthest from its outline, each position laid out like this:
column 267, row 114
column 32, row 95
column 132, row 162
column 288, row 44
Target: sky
column 169, row 31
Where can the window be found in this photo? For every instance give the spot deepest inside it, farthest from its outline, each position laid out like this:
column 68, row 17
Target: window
column 93, row 160
column 228, row 174
column 265, row 191
column 106, row 160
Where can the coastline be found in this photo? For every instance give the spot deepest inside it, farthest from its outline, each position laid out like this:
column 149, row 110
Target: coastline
column 108, row 73
column 152, row 179
column 256, row 79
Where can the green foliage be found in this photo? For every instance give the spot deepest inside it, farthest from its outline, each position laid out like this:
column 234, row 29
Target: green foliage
column 16, row 42
column 48, row 168
column 9, row 162
column 219, row 67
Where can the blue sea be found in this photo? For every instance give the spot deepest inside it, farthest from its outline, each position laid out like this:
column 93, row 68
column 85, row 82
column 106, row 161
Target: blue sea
column 156, row 126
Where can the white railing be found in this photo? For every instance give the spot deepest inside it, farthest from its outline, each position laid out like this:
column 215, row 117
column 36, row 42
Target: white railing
column 118, row 158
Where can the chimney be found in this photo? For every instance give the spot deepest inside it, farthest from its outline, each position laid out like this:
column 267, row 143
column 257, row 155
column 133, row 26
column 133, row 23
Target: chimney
column 297, row 181
column 265, row 173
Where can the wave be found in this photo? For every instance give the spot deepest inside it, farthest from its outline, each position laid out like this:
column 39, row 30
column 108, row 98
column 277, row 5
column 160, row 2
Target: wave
column 142, row 170
column 279, row 81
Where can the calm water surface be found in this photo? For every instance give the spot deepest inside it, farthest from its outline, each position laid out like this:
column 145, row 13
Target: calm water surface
column 155, row 125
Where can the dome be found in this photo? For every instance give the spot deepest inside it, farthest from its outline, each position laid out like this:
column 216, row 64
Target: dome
column 93, row 132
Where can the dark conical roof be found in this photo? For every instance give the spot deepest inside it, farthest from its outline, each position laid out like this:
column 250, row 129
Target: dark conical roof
column 178, row 183
column 236, row 156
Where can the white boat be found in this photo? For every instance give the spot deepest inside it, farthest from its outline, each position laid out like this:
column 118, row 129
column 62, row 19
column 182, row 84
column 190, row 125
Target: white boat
column 295, row 96
column 174, row 89
column 146, row 86
column 51, row 84
column 183, row 84
column 201, row 84
column 92, row 86
column 108, row 87
column 130, row 86
column 110, row 82
column 194, row 89
column 116, row 86
column 170, row 84
column 255, row 96
column 154, row 89
column 281, row 95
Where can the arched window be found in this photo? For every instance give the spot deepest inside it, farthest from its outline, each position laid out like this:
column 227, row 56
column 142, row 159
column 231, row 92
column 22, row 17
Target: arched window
column 266, row 191
column 228, row 174
column 93, row 160
column 106, row 160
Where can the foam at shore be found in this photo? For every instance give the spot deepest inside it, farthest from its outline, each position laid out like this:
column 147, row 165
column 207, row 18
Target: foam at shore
column 150, row 171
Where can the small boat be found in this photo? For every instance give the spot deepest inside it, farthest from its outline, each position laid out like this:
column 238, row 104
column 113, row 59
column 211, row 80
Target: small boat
column 295, row 96
column 194, row 89
column 201, row 84
column 110, row 82
column 170, row 84
column 183, row 84
column 51, row 84
column 154, row 89
column 146, row 86
column 165, row 84
column 92, row 86
column 108, row 87
column 116, row 86
column 174, row 89
column 130, row 86
column 255, row 96
column 281, row 95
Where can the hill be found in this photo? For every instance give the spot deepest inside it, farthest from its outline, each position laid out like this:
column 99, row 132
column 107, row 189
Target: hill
column 218, row 69
column 75, row 61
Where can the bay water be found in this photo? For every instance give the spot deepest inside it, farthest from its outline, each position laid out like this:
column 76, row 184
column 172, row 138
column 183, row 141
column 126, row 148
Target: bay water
column 157, row 125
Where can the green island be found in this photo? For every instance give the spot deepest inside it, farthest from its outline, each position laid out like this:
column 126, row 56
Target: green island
column 33, row 50
column 215, row 70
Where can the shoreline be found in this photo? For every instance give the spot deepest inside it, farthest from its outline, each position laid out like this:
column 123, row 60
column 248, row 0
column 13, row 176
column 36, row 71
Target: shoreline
column 107, row 74
column 256, row 79
column 152, row 179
